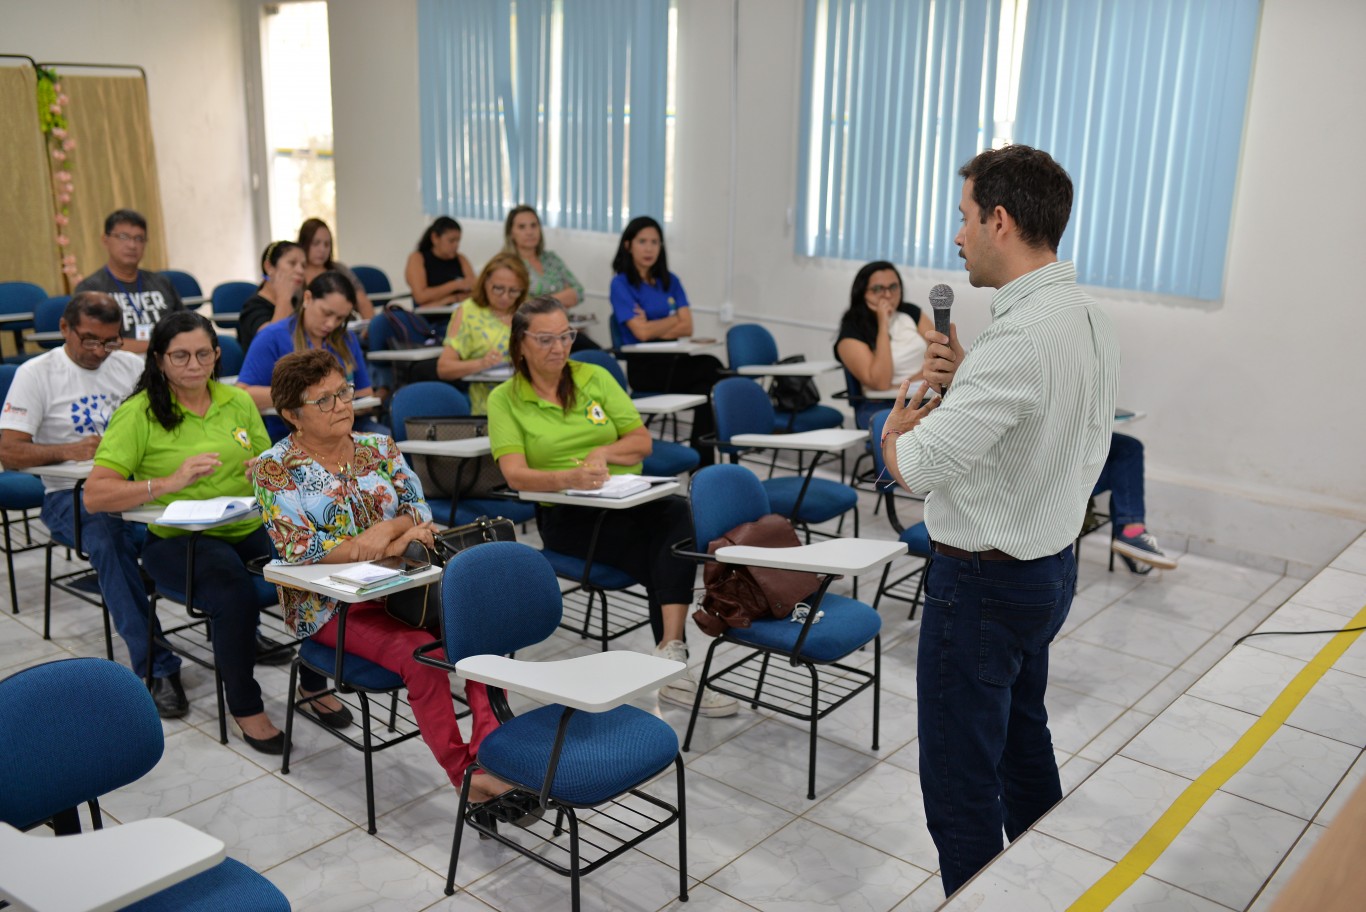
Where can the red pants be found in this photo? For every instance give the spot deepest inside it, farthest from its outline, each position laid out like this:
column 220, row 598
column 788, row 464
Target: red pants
column 373, row 635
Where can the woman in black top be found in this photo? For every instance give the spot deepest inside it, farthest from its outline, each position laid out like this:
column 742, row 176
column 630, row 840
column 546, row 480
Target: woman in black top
column 283, row 264
column 437, row 272
column 881, row 340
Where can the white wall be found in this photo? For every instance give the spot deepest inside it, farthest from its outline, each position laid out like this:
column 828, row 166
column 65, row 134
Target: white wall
column 192, row 52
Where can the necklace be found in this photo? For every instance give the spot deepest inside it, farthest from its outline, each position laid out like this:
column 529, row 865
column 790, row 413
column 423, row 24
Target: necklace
column 343, row 464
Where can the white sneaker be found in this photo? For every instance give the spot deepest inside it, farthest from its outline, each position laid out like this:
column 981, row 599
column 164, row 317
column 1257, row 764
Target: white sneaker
column 683, row 691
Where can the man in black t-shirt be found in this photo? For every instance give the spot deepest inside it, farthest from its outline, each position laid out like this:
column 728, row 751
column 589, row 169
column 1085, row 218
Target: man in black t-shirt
column 144, row 297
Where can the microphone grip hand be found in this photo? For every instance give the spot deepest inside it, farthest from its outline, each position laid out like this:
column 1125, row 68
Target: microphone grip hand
column 943, row 354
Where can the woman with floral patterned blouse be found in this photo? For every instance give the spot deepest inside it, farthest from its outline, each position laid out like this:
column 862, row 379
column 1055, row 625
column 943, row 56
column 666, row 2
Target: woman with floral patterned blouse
column 329, row 495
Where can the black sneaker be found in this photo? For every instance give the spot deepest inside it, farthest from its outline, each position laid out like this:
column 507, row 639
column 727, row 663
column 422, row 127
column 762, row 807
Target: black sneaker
column 169, row 696
column 269, row 652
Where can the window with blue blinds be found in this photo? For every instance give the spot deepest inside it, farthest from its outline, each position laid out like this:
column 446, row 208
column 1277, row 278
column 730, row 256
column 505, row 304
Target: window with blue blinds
column 555, row 103
column 1142, row 103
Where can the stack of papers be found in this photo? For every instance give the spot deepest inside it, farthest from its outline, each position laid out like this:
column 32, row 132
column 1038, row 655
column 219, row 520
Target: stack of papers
column 619, row 486
column 192, row 512
column 365, row 577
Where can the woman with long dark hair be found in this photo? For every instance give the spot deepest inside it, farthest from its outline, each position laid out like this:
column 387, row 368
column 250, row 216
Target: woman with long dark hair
column 282, row 262
column 182, row 435
column 882, row 337
column 437, row 272
column 316, row 240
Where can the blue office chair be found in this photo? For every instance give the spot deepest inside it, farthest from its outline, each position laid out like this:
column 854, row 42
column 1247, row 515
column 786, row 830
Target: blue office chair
column 228, row 299
column 48, row 318
column 749, row 344
column 434, row 399
column 372, row 279
column 667, row 457
column 20, row 493
column 230, row 361
column 19, row 298
column 578, row 752
column 60, row 749
column 915, row 537
column 789, row 658
column 742, row 407
column 185, row 285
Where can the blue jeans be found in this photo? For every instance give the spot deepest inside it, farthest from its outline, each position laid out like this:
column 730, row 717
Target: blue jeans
column 986, row 757
column 113, row 546
column 1122, row 475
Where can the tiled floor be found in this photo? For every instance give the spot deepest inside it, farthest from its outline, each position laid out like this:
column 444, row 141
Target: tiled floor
column 1145, row 694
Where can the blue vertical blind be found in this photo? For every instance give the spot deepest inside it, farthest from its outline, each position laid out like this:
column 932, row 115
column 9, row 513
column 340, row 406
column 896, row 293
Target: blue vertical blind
column 556, row 103
column 896, row 95
column 1143, row 103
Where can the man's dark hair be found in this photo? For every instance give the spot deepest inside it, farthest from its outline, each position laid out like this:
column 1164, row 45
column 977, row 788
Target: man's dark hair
column 1029, row 185
column 124, row 217
column 96, row 305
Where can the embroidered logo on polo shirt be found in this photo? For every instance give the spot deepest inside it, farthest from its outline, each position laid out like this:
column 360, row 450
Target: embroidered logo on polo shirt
column 242, row 437
column 595, row 413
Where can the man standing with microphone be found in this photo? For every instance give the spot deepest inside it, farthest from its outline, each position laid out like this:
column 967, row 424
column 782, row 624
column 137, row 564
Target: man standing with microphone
column 1008, row 461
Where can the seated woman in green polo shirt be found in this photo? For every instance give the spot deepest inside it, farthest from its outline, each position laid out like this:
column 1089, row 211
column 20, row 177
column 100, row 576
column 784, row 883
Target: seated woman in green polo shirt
column 182, row 435
column 561, row 424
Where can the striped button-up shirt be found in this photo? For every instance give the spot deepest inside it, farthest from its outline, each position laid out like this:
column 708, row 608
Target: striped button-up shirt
column 1010, row 459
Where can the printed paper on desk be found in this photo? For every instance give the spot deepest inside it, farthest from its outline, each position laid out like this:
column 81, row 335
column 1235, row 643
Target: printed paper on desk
column 205, row 511
column 619, row 486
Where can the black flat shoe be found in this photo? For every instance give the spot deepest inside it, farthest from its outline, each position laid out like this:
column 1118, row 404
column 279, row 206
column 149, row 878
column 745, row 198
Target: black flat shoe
column 332, row 718
column 169, row 696
column 269, row 652
column 275, row 746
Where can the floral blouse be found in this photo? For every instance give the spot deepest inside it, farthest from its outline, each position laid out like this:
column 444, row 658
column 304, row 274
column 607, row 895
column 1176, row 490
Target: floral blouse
column 308, row 511
column 555, row 278
column 480, row 332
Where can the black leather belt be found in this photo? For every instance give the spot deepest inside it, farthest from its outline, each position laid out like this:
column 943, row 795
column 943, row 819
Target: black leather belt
column 995, row 554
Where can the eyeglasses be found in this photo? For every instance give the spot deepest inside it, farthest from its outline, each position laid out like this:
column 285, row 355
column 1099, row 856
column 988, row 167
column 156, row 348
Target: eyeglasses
column 878, row 291
column 545, row 340
column 327, row 401
column 90, row 343
column 500, row 291
column 181, row 357
column 126, row 238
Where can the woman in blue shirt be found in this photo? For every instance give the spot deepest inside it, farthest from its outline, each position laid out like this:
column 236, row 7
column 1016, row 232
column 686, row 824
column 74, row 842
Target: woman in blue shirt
column 649, row 305
column 320, row 322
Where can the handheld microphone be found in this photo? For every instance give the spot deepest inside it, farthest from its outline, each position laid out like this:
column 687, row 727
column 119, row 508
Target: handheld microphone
column 941, row 299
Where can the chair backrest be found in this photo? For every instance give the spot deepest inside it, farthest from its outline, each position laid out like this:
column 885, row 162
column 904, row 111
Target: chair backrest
column 185, row 285
column 48, row 316
column 742, row 407
column 7, row 372
column 722, row 497
column 230, row 363
column 497, row 598
column 604, row 359
column 20, row 297
column 372, row 279
column 425, row 399
column 229, row 297
column 875, row 426
column 615, row 329
column 71, row 731
column 750, row 343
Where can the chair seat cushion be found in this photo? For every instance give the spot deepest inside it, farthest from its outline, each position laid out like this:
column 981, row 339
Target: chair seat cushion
column 669, row 458
column 917, row 539
column 603, row 576
column 356, row 671
column 816, row 418
column 20, row 491
column 228, row 885
column 846, row 626
column 824, row 499
column 604, row 753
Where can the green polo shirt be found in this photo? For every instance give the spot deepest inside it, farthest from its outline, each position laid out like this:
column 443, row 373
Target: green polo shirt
column 136, row 446
column 522, row 422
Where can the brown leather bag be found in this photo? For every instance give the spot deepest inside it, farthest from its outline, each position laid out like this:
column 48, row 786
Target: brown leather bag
column 736, row 595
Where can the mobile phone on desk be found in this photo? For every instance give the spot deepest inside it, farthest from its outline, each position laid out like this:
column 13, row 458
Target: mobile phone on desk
column 404, row 564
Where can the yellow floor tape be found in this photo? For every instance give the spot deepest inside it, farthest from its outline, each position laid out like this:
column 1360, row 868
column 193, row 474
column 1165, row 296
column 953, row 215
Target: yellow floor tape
column 1154, row 842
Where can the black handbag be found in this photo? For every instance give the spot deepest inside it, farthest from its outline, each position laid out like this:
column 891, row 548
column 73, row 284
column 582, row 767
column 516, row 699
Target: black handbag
column 451, row 477
column 421, row 606
column 793, row 394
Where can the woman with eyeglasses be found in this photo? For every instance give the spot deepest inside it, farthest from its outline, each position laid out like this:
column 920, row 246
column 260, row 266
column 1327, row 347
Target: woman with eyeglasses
column 331, row 495
column 320, row 322
column 560, row 424
column 882, row 338
column 182, row 435
column 477, row 336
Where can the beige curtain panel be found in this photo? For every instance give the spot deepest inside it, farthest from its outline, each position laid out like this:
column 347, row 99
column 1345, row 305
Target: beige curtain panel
column 116, row 166
column 28, row 236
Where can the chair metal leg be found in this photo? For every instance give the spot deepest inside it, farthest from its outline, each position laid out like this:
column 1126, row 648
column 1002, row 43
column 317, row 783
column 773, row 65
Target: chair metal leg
column 697, row 698
column 459, row 829
column 108, row 633
column 369, row 763
column 877, row 686
column 574, row 862
column 602, row 594
column 289, row 715
column 882, row 586
column 682, row 832
column 393, row 712
column 759, row 684
column 9, row 563
column 47, row 594
column 811, row 759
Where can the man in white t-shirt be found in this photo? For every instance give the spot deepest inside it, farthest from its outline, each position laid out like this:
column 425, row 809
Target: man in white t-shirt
column 57, row 409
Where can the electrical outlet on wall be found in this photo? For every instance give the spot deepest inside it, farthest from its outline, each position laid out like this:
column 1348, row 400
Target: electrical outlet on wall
column 727, row 312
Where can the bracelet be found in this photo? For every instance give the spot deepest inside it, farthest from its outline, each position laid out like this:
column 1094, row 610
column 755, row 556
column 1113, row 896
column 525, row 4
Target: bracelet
column 149, row 489
column 886, row 434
